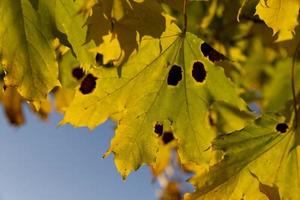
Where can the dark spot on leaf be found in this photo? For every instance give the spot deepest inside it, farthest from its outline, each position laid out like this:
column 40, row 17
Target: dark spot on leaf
column 199, row 72
column 78, row 73
column 206, row 49
column 88, row 84
column 2, row 74
column 158, row 129
column 213, row 55
column 99, row 60
column 109, row 64
column 167, row 137
column 282, row 127
column 175, row 75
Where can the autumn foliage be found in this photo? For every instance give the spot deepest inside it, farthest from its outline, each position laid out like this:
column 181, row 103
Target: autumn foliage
column 215, row 81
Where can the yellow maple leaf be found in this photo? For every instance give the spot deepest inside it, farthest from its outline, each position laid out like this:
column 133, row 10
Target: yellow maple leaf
column 280, row 15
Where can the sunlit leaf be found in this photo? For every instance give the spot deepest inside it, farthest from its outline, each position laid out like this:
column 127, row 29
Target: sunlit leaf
column 70, row 76
column 259, row 162
column 26, row 50
column 168, row 81
column 281, row 16
column 66, row 23
column 143, row 18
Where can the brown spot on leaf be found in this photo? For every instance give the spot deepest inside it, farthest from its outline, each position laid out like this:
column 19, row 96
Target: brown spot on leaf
column 99, row 61
column 88, row 84
column 78, row 73
column 167, row 137
column 175, row 75
column 158, row 129
column 212, row 54
column 199, row 72
column 282, row 127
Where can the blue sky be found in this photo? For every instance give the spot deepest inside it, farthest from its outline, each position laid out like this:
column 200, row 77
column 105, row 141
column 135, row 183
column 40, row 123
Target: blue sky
column 39, row 161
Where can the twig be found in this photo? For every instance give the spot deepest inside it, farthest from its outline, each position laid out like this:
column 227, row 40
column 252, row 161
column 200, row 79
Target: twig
column 185, row 16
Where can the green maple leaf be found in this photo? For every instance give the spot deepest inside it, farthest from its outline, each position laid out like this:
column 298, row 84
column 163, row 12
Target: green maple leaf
column 260, row 161
column 26, row 51
column 168, row 82
column 66, row 23
column 281, row 16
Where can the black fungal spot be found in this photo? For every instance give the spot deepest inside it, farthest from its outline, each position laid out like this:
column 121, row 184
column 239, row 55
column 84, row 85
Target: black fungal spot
column 78, row 73
column 88, row 84
column 282, row 127
column 206, row 49
column 213, row 55
column 158, row 129
column 167, row 137
column 99, row 59
column 175, row 75
column 109, row 64
column 199, row 72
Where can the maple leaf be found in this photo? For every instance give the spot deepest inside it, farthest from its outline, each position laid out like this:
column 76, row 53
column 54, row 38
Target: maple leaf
column 164, row 154
column 65, row 22
column 259, row 162
column 70, row 76
column 281, row 16
column 168, row 81
column 116, row 9
column 29, row 59
column 140, row 19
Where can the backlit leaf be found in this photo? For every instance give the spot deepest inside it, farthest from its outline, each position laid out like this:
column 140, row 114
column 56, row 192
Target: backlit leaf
column 70, row 76
column 68, row 25
column 281, row 16
column 29, row 59
column 144, row 18
column 156, row 85
column 259, row 162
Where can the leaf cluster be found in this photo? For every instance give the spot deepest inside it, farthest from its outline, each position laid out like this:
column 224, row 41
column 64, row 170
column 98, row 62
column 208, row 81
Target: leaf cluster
column 215, row 88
